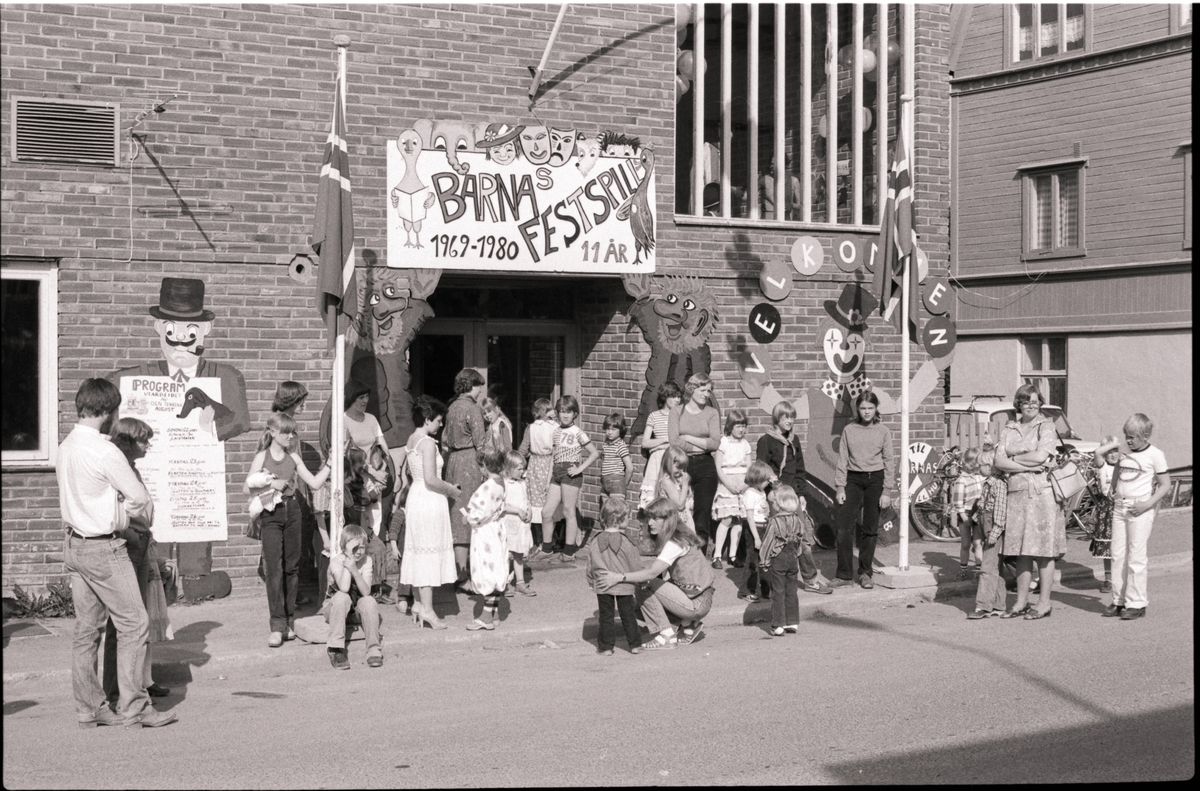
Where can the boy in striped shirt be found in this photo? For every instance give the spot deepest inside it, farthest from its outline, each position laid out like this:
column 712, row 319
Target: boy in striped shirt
column 616, row 465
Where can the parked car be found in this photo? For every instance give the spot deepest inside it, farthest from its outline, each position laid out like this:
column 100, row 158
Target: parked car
column 980, row 419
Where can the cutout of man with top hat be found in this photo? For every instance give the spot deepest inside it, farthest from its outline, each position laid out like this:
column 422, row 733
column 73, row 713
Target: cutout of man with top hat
column 182, row 324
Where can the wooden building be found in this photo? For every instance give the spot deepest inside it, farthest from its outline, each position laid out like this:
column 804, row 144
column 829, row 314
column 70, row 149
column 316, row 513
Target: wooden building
column 1071, row 212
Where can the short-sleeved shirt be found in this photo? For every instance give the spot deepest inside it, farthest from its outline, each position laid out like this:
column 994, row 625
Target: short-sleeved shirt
column 658, row 422
column 363, row 433
column 671, row 552
column 613, row 455
column 755, row 504
column 1136, row 472
column 1104, row 478
column 568, row 444
column 736, row 455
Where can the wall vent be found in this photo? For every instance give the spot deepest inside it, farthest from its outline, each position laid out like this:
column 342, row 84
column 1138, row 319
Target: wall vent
column 56, row 130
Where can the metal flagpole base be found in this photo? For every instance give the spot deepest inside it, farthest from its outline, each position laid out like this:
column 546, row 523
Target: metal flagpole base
column 911, row 577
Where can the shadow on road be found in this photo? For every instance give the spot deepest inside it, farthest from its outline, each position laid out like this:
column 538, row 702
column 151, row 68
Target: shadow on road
column 1139, row 746
column 179, row 656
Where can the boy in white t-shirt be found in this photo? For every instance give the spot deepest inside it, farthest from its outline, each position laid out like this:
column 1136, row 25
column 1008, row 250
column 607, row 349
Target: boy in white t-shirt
column 1141, row 481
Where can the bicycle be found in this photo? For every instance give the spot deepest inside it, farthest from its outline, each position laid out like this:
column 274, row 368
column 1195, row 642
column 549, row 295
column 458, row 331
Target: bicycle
column 931, row 511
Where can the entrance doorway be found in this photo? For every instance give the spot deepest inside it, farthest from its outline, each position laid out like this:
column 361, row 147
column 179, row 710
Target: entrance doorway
column 521, row 360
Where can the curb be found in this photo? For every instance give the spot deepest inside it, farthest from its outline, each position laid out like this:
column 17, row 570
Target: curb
column 835, row 605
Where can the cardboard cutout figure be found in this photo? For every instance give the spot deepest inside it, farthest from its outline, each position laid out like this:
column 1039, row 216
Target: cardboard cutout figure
column 677, row 325
column 182, row 323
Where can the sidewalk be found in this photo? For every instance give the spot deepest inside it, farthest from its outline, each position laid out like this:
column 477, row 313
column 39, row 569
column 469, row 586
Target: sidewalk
column 215, row 637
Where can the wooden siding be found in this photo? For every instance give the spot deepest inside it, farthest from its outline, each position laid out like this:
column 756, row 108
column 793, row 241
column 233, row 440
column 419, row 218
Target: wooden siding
column 1113, row 26
column 1129, row 121
column 1118, row 300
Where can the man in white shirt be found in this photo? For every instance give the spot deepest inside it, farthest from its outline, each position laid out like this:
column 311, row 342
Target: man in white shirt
column 92, row 477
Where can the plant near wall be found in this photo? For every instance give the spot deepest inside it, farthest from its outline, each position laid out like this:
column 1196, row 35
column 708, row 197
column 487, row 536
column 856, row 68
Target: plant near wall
column 58, row 603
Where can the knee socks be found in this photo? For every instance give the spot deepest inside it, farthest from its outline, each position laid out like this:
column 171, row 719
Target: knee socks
column 491, row 606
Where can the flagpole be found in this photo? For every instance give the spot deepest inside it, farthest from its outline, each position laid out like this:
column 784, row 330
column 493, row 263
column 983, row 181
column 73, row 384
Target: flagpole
column 338, row 406
column 906, row 116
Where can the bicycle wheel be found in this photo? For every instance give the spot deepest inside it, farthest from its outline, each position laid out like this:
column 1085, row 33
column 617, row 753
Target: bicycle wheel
column 928, row 513
column 1085, row 515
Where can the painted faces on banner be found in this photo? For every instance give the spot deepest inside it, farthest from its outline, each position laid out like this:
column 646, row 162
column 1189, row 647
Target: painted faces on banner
column 500, row 196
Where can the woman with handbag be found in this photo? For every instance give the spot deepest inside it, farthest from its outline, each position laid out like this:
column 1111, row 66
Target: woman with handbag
column 688, row 596
column 1036, row 529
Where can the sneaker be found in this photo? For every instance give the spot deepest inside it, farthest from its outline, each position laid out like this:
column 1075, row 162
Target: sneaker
column 637, row 649
column 524, row 589
column 291, row 634
column 1106, row 587
column 752, row 597
column 660, row 643
column 865, row 581
column 1133, row 613
column 338, row 658
column 150, row 717
column 374, row 661
column 605, row 652
column 964, row 573
column 1113, row 611
column 777, row 631
column 838, row 582
column 816, row 586
column 275, row 640
column 792, row 629
column 103, row 716
column 716, row 564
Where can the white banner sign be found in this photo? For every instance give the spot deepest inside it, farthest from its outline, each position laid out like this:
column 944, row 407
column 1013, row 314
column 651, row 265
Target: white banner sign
column 184, row 469
column 582, row 212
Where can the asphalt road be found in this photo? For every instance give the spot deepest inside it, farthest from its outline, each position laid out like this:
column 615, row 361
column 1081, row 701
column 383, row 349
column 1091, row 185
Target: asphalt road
column 903, row 694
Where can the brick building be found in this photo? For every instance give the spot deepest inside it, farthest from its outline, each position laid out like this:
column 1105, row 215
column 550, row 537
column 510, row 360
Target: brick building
column 185, row 140
column 1072, row 214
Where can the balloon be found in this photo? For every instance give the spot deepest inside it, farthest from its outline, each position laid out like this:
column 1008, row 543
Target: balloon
column 822, row 127
column 683, row 15
column 681, row 87
column 680, row 36
column 845, row 56
column 893, row 53
column 686, row 61
column 868, row 64
column 867, row 119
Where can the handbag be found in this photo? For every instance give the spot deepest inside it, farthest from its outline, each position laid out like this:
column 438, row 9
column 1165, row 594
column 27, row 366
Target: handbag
column 1067, row 481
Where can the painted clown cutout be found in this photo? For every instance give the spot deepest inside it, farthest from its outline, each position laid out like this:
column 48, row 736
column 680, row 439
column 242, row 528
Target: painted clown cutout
column 677, row 324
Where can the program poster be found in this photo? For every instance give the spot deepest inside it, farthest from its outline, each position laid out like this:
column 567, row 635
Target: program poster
column 575, row 213
column 184, row 469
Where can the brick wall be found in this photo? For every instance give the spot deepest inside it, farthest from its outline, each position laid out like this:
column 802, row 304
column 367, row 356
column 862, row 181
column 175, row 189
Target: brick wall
column 241, row 147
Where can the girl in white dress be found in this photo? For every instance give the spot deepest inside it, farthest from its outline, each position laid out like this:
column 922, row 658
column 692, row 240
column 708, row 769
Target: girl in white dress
column 489, row 538
column 428, row 558
column 517, row 515
column 733, row 459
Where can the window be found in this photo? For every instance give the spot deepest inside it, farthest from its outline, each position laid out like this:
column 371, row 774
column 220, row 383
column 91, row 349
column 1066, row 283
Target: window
column 1039, row 31
column 1181, row 18
column 1053, row 212
column 785, row 111
column 1044, row 363
column 30, row 361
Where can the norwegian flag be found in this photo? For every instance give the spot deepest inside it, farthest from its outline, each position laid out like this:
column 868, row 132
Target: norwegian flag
column 897, row 242
column 333, row 232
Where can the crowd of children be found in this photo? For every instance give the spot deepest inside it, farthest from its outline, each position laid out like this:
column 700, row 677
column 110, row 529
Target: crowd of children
column 760, row 512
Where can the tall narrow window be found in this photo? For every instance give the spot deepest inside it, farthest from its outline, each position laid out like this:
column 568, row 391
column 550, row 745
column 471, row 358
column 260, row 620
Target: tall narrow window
column 1044, row 363
column 783, row 109
column 1053, row 210
column 30, row 362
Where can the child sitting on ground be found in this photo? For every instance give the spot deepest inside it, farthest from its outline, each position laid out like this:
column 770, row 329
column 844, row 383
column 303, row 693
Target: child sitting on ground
column 964, row 493
column 351, row 573
column 613, row 551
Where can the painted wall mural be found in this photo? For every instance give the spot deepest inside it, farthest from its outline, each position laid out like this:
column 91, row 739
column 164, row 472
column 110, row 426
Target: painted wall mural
column 500, row 196
column 677, row 325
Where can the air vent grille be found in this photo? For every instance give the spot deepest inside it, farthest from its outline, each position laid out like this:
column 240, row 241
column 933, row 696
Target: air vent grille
column 49, row 130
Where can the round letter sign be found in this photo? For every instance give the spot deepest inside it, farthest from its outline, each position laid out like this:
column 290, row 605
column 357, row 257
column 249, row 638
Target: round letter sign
column 807, row 255
column 846, row 252
column 764, row 322
column 939, row 336
column 935, row 294
column 775, row 280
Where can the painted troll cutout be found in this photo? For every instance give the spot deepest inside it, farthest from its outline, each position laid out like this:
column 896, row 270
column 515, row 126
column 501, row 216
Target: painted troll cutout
column 677, row 325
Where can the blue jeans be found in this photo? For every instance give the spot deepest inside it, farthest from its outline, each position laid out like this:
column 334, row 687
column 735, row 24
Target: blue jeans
column 785, row 599
column 104, row 585
column 281, row 560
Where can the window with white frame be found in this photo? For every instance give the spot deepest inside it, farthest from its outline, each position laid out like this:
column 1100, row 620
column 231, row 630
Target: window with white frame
column 776, row 102
column 1181, row 18
column 29, row 434
column 1044, row 363
column 1039, row 31
column 1053, row 209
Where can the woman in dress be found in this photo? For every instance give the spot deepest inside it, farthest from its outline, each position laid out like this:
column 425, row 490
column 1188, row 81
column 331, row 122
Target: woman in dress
column 428, row 557
column 464, row 437
column 1035, row 530
column 696, row 426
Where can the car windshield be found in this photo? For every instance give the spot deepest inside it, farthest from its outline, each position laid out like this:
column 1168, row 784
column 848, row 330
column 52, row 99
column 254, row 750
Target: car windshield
column 1060, row 422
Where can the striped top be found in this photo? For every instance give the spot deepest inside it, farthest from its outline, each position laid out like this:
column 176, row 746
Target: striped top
column 612, row 457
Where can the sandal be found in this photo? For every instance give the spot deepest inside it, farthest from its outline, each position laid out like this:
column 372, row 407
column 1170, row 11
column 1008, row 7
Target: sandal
column 1034, row 615
column 978, row 615
column 689, row 633
column 478, row 625
column 661, row 643
column 1015, row 613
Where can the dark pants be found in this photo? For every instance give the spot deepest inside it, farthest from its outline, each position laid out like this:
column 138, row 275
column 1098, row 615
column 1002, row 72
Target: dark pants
column 281, row 559
column 756, row 581
column 702, row 470
column 627, row 606
column 785, row 598
column 863, row 490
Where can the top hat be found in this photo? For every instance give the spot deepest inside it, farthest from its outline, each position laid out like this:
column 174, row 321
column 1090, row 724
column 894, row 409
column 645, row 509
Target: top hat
column 181, row 299
column 498, row 135
column 853, row 306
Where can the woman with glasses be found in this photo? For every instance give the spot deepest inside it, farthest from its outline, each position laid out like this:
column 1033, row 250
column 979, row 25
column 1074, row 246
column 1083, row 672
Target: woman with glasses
column 1036, row 530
